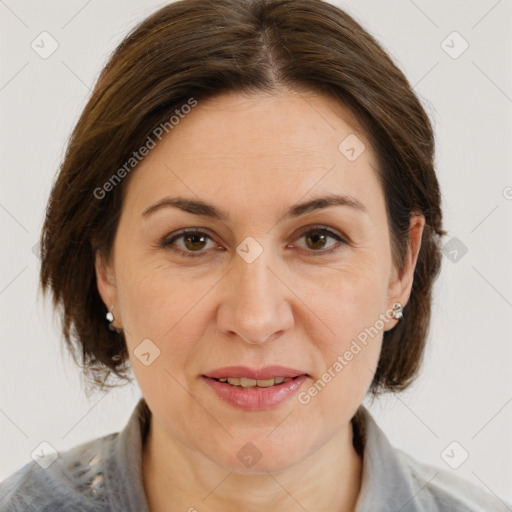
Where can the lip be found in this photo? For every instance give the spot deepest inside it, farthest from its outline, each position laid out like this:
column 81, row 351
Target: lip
column 267, row 372
column 255, row 399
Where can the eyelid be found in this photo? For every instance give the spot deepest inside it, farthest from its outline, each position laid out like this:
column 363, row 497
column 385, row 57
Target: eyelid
column 320, row 227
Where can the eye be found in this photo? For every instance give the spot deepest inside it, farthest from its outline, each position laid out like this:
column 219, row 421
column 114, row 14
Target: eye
column 316, row 239
column 194, row 242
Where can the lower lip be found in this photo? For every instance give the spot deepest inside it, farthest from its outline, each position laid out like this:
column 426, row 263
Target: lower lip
column 256, row 399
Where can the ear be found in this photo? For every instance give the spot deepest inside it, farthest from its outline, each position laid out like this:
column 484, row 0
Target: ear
column 400, row 286
column 107, row 288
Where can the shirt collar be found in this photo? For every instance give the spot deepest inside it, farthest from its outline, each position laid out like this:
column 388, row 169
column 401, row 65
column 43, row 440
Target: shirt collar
column 126, row 486
column 387, row 484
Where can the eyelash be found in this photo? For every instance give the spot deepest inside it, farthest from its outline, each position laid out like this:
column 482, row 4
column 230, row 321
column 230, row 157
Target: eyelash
column 167, row 243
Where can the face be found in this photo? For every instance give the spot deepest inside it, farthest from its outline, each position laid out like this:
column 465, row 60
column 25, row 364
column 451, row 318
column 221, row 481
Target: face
column 261, row 284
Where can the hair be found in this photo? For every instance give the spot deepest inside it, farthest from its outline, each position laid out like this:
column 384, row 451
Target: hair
column 202, row 48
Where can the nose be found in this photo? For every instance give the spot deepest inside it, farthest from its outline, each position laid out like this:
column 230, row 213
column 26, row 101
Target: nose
column 256, row 304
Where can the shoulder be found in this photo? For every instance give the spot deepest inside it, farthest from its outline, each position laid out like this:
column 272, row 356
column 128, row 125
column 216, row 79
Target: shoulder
column 440, row 489
column 394, row 480
column 69, row 481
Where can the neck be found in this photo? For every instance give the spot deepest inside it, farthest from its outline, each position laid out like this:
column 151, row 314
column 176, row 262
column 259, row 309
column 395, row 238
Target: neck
column 177, row 477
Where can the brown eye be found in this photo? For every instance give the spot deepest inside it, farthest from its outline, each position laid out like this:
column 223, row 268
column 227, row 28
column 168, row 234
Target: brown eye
column 193, row 243
column 316, row 240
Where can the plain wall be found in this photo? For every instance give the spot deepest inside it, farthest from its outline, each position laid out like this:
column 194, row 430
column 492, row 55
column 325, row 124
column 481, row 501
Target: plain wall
column 464, row 393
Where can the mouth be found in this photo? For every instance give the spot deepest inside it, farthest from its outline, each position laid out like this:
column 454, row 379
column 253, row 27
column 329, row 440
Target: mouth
column 255, row 394
column 250, row 377
column 255, row 389
column 247, row 383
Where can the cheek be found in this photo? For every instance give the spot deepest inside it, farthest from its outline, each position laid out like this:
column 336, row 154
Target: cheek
column 351, row 304
column 353, row 293
column 151, row 296
column 162, row 305
column 348, row 358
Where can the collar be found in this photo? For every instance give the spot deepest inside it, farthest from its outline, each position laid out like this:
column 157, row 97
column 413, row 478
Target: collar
column 386, row 484
column 124, row 476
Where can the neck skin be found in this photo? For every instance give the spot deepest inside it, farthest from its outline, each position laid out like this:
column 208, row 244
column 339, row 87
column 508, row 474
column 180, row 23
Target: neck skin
column 178, row 478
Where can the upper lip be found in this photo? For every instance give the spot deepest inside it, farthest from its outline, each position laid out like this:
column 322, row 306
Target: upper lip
column 267, row 372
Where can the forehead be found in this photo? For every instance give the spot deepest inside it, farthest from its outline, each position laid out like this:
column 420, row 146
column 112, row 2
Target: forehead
column 265, row 125
column 259, row 147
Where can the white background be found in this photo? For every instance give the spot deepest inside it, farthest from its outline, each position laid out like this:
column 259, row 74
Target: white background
column 465, row 389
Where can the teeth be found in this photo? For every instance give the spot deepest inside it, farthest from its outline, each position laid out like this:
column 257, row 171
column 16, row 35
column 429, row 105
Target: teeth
column 244, row 382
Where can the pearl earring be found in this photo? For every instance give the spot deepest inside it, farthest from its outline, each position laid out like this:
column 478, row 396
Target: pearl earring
column 397, row 310
column 110, row 318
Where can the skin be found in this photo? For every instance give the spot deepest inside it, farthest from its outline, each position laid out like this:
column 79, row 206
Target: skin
column 254, row 156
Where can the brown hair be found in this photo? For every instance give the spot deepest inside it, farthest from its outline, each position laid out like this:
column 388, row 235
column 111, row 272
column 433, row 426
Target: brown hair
column 199, row 49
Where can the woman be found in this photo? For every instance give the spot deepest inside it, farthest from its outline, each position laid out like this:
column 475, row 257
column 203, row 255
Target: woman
column 248, row 217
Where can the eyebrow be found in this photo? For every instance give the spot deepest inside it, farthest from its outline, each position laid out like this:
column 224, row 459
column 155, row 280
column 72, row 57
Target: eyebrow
column 202, row 208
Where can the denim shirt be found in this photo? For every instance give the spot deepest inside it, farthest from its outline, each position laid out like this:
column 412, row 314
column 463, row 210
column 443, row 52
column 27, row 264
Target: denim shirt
column 105, row 475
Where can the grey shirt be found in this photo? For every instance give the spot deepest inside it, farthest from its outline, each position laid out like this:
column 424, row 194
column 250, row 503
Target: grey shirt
column 105, row 474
